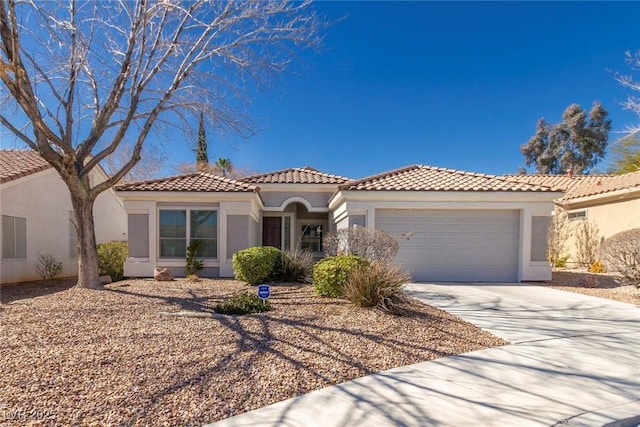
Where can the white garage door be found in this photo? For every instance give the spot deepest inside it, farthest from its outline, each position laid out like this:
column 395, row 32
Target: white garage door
column 459, row 245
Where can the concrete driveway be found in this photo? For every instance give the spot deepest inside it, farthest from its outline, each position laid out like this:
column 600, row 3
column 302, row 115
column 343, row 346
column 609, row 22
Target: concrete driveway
column 574, row 360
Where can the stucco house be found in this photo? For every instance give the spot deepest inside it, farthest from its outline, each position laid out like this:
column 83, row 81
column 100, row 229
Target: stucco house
column 611, row 202
column 36, row 216
column 463, row 226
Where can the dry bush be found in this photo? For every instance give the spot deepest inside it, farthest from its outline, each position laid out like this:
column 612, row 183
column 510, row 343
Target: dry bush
column 557, row 235
column 369, row 243
column 378, row 285
column 621, row 253
column 587, row 243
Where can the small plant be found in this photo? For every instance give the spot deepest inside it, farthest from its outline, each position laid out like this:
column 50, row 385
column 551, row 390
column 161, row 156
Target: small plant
column 295, row 265
column 111, row 258
column 330, row 274
column 257, row 265
column 597, row 267
column 621, row 253
column 243, row 303
column 192, row 278
column 377, row 285
column 193, row 263
column 48, row 267
column 561, row 261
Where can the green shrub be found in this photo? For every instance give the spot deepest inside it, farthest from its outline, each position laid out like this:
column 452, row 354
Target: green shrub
column 257, row 265
column 377, row 285
column 193, row 263
column 111, row 258
column 48, row 267
column 330, row 274
column 561, row 261
column 244, row 303
column 295, row 266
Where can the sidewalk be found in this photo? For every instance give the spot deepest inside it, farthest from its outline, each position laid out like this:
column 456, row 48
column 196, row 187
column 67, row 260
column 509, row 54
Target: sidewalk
column 573, row 361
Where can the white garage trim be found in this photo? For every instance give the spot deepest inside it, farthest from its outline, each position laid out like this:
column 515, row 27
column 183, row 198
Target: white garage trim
column 456, row 245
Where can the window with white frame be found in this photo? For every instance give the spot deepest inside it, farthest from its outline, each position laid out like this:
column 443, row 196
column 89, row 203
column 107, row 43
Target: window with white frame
column 311, row 237
column 14, row 237
column 73, row 236
column 577, row 215
column 180, row 226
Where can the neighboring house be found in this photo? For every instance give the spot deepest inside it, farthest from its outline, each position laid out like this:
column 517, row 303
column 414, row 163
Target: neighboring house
column 611, row 202
column 461, row 226
column 36, row 216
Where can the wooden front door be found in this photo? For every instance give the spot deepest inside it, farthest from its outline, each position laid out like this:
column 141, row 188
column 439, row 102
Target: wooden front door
column 272, row 231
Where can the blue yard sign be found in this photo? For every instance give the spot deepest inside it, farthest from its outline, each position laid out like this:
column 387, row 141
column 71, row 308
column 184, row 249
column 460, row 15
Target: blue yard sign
column 264, row 291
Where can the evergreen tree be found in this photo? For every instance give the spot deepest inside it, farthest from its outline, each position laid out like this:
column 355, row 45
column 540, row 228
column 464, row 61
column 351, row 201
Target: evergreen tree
column 577, row 143
column 202, row 159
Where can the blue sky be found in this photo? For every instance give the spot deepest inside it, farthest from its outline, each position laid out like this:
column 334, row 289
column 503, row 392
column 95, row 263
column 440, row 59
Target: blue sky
column 456, row 85
column 450, row 84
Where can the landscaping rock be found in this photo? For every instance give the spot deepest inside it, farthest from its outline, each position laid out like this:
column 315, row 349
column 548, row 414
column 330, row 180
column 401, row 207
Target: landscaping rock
column 106, row 279
column 162, row 275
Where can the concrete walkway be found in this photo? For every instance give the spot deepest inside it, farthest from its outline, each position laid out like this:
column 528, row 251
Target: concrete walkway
column 574, row 361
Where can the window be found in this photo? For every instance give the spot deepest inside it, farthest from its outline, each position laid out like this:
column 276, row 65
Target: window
column 311, row 237
column 576, row 215
column 73, row 237
column 14, row 237
column 204, row 227
column 178, row 227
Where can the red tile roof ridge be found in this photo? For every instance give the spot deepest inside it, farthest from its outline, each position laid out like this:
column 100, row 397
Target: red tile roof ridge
column 304, row 169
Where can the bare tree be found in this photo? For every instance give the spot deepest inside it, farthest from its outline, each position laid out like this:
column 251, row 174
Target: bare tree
column 557, row 235
column 87, row 76
column 632, row 103
column 588, row 242
column 150, row 165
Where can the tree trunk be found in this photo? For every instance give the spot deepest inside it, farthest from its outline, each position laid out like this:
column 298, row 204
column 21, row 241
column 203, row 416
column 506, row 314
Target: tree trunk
column 88, row 271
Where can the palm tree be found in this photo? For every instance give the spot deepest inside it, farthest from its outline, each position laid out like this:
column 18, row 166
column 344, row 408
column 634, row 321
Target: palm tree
column 223, row 167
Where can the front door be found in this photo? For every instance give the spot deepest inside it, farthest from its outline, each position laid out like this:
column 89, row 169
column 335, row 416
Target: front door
column 272, row 231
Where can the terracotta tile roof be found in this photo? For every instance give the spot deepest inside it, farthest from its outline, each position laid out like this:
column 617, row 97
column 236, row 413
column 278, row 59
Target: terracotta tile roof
column 428, row 178
column 15, row 164
column 305, row 175
column 193, row 182
column 605, row 184
column 582, row 185
column 563, row 183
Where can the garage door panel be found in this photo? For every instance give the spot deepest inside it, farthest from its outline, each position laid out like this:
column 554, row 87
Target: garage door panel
column 472, row 245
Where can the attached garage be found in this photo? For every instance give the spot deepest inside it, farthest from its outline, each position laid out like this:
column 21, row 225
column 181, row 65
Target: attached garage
column 456, row 245
column 463, row 226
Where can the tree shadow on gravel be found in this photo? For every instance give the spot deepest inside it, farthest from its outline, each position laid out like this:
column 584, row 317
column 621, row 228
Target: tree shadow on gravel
column 306, row 341
column 13, row 293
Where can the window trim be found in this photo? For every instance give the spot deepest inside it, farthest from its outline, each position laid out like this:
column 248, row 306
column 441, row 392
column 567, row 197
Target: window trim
column 26, row 239
column 311, row 222
column 577, row 215
column 187, row 211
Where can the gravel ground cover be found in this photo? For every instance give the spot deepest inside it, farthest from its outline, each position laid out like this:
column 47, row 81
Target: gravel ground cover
column 78, row 357
column 603, row 285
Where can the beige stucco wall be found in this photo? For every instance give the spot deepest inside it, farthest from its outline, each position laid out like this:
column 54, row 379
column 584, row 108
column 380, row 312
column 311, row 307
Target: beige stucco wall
column 275, row 199
column 610, row 218
column 238, row 218
column 43, row 199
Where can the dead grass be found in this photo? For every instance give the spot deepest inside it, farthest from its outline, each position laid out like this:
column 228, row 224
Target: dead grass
column 79, row 357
